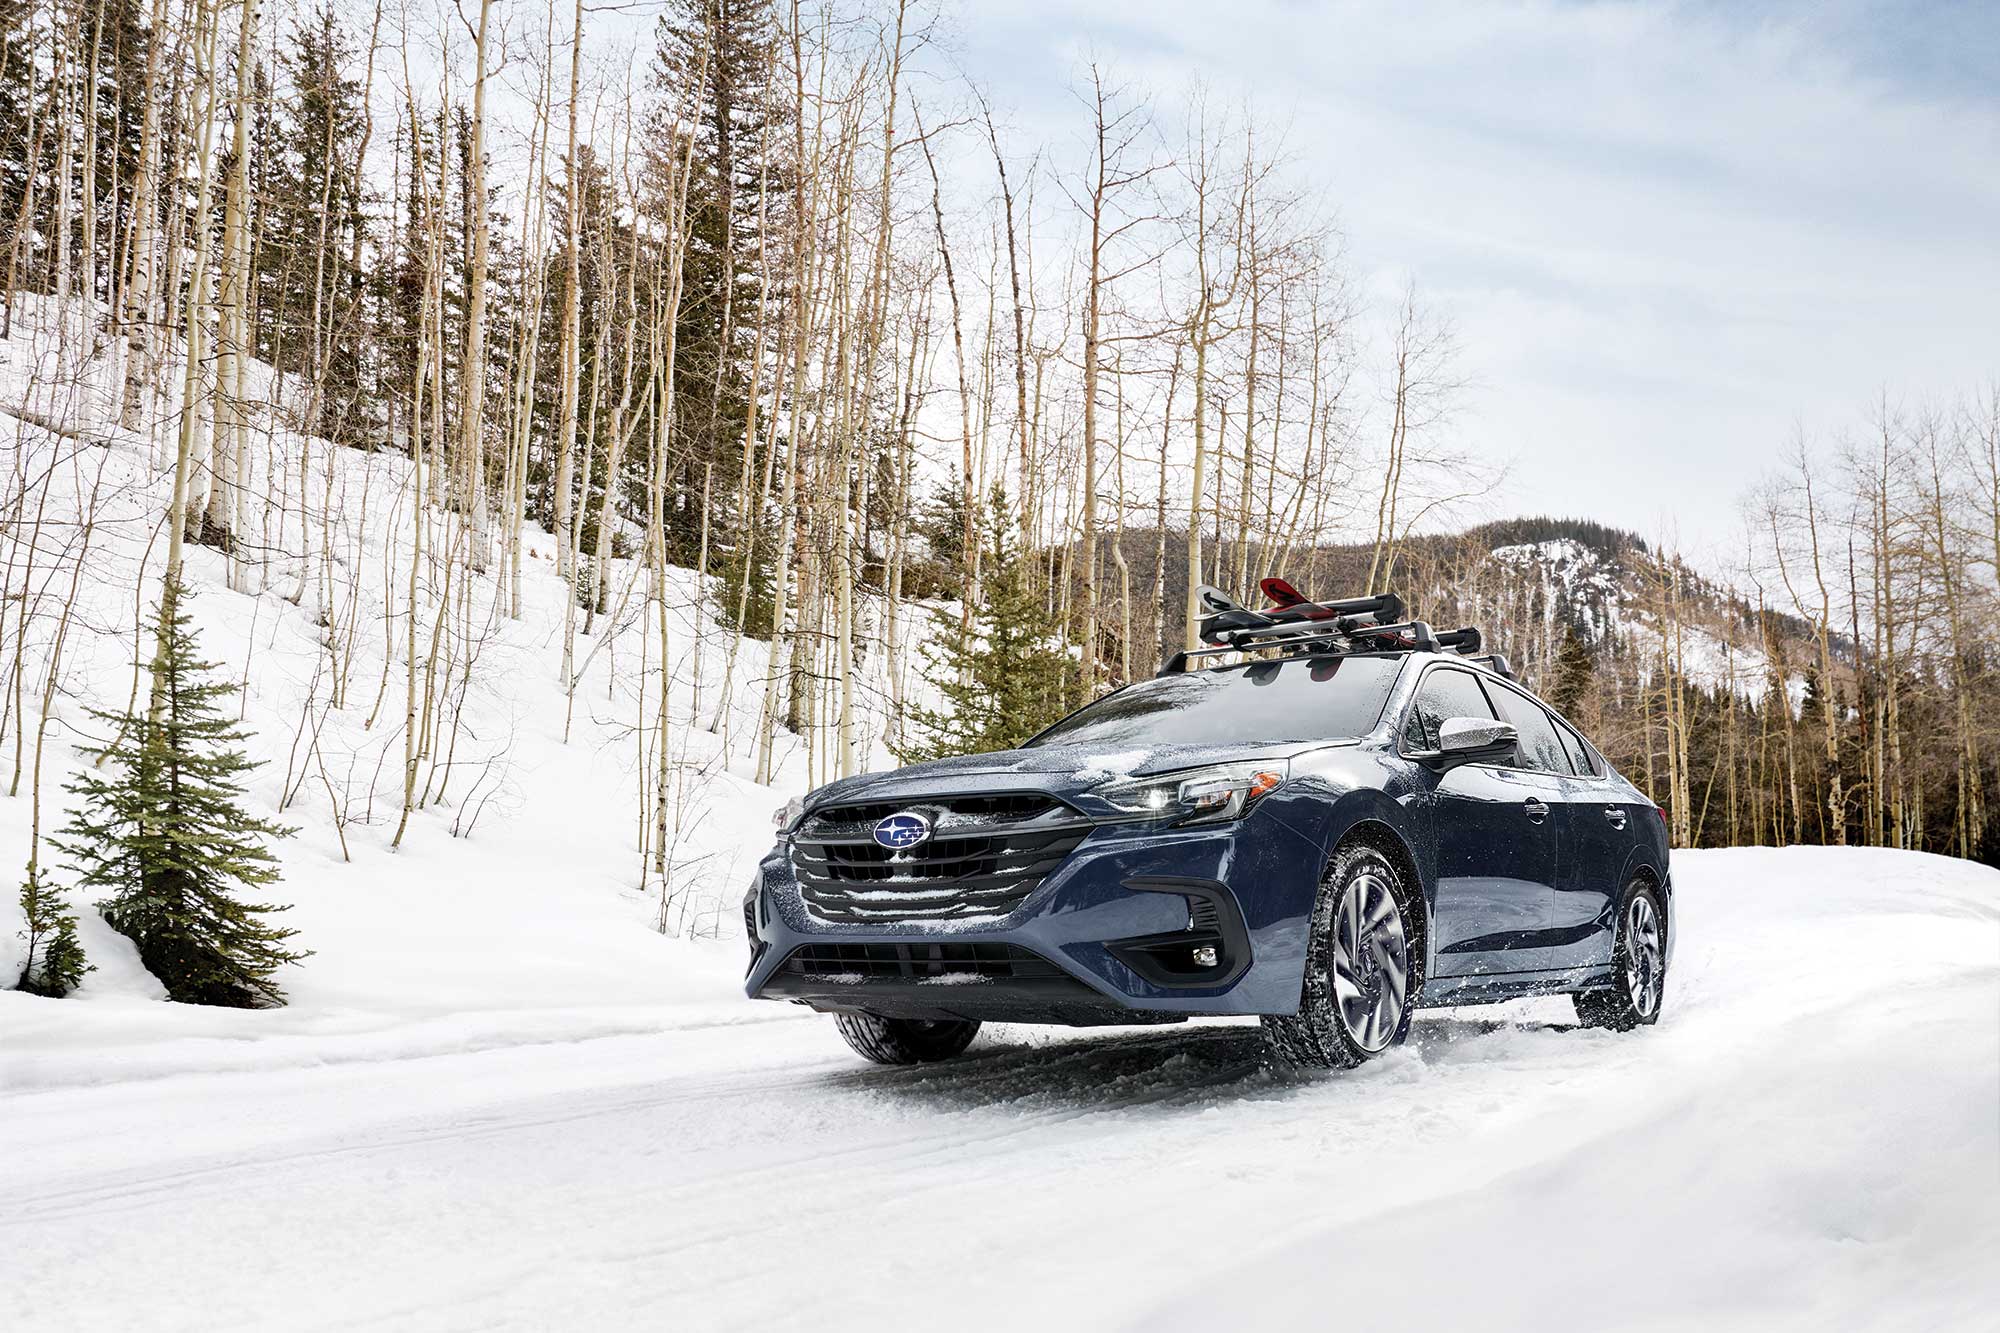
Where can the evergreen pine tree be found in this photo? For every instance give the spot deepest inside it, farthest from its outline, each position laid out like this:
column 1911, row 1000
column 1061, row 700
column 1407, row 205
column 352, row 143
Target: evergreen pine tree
column 163, row 831
column 55, row 961
column 1575, row 668
column 712, row 67
column 1008, row 674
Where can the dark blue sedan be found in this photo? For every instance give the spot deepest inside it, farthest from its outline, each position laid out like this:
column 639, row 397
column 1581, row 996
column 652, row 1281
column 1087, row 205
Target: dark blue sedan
column 1363, row 819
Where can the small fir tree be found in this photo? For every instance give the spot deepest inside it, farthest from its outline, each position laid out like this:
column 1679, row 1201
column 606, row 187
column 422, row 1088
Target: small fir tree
column 1005, row 676
column 55, row 963
column 162, row 830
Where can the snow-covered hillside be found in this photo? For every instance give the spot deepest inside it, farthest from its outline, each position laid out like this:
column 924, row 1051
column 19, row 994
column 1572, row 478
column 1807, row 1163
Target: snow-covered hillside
column 523, row 886
column 1563, row 582
column 1809, row 1140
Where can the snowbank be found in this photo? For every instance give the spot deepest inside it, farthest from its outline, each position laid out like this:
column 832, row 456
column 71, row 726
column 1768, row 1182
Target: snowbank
column 1810, row 1139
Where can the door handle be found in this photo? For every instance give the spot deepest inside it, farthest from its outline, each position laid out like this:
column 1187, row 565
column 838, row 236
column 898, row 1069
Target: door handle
column 1615, row 815
column 1536, row 810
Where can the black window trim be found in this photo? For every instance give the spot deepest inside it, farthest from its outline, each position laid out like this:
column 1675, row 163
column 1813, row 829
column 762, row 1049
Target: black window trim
column 1601, row 767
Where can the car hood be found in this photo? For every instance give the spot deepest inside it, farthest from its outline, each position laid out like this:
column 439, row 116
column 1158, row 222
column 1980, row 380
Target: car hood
column 1063, row 770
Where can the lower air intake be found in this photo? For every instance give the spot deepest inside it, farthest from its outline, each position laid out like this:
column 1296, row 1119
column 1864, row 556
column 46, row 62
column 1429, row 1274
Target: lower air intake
column 862, row 963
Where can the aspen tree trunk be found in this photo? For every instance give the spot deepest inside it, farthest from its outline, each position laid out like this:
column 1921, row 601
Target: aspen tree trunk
column 572, row 337
column 231, row 441
column 535, row 212
column 1023, row 446
column 204, row 101
column 430, row 321
column 472, row 375
column 88, row 324
column 66, row 117
column 1392, row 468
column 1254, row 332
column 623, row 421
column 1159, row 616
column 968, row 484
column 788, row 681
column 1969, row 813
column 677, row 244
column 1118, row 534
column 1836, row 809
column 1209, row 299
column 1093, row 316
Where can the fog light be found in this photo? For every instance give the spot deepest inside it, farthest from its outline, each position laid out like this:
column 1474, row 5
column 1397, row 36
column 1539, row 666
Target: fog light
column 1205, row 955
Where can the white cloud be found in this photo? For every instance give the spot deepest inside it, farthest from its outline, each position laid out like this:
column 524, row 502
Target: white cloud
column 1666, row 233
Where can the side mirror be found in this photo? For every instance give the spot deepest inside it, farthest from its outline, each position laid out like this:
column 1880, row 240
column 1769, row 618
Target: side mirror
column 1474, row 740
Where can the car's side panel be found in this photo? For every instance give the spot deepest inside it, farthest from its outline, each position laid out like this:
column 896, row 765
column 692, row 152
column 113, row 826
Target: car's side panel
column 1585, row 903
column 1499, row 840
column 1497, row 833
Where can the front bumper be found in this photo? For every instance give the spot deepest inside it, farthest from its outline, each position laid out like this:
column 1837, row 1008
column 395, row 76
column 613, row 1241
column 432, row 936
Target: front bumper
column 1105, row 938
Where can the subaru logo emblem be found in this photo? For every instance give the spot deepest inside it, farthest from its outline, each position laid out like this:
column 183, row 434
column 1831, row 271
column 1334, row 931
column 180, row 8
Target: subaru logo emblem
column 902, row 831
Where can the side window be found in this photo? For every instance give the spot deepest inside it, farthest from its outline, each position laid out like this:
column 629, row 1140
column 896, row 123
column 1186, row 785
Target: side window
column 1443, row 694
column 1540, row 749
column 1579, row 753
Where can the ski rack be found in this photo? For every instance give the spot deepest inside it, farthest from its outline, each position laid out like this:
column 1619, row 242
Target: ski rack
column 1298, row 627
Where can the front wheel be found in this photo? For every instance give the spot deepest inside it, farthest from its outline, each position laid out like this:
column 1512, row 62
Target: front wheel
column 1639, row 963
column 1363, row 966
column 905, row 1041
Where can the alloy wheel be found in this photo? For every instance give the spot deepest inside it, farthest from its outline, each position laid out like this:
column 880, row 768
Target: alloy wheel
column 1371, row 963
column 1645, row 955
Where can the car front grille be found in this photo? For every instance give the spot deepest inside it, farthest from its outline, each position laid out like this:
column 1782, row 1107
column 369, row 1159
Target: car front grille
column 985, row 855
column 858, row 964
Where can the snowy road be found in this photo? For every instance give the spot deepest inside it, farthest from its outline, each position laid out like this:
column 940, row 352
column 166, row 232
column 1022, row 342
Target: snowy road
column 1811, row 1139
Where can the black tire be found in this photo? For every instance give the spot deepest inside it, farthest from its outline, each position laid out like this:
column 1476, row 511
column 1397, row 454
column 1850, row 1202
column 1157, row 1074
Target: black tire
column 1322, row 1035
column 905, row 1041
column 1638, row 992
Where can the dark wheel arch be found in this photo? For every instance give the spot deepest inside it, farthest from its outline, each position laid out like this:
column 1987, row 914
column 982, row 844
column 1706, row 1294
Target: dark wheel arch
column 1345, row 1015
column 1626, row 1004
column 1386, row 840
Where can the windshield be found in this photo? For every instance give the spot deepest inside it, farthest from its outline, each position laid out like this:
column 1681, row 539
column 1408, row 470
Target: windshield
column 1294, row 699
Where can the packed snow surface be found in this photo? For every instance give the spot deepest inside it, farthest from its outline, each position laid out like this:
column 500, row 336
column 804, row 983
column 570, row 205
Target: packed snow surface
column 1810, row 1139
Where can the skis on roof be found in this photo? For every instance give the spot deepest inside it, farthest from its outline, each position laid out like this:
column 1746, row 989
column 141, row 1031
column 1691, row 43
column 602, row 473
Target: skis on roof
column 1295, row 625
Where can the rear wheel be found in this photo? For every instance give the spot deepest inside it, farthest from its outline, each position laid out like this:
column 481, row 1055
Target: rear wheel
column 1363, row 966
column 1639, row 961
column 905, row 1041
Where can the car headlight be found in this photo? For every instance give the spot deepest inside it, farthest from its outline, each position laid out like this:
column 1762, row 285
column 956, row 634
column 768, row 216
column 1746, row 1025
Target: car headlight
column 1199, row 795
column 789, row 814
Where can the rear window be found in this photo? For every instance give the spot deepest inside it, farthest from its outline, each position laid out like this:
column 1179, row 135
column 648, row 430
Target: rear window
column 1579, row 753
column 1294, row 699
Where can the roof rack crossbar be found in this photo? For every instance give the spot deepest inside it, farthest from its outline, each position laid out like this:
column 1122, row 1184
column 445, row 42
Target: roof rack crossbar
column 1296, row 626
column 1413, row 635
column 1223, row 617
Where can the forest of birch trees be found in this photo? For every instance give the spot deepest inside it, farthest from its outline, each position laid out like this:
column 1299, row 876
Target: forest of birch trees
column 765, row 290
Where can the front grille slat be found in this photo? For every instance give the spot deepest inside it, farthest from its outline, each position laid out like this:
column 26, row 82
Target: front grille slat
column 989, row 853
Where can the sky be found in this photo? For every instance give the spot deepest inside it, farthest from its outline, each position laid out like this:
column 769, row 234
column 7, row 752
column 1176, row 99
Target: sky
column 1672, row 237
